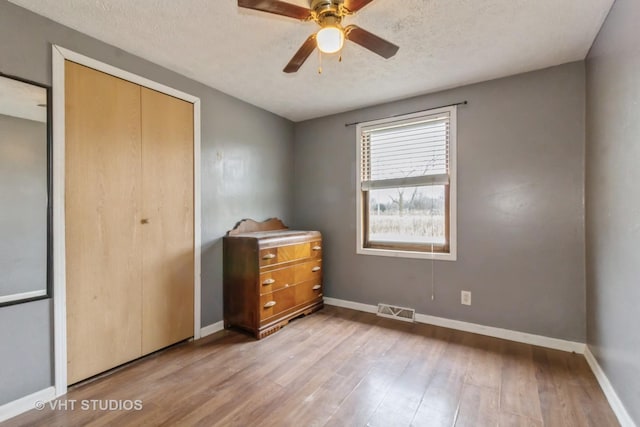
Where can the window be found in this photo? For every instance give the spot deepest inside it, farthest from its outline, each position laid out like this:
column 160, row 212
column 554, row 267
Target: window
column 407, row 185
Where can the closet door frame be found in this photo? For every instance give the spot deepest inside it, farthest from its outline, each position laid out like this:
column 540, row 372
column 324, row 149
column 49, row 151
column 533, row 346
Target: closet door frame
column 59, row 56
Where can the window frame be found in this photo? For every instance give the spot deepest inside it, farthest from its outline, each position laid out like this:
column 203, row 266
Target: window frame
column 406, row 249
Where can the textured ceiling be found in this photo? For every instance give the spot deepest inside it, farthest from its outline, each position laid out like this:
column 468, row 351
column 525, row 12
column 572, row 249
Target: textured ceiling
column 443, row 44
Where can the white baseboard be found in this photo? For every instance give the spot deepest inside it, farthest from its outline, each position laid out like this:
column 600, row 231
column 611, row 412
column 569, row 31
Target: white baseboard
column 507, row 334
column 616, row 404
column 367, row 308
column 211, row 329
column 27, row 403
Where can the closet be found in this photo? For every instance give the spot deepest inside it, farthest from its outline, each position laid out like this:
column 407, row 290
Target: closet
column 129, row 220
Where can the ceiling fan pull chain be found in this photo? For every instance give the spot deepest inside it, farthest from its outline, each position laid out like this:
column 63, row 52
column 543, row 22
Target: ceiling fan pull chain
column 319, row 62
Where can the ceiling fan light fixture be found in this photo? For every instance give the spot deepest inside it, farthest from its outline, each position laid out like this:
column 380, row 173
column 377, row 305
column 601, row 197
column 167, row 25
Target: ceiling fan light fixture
column 330, row 39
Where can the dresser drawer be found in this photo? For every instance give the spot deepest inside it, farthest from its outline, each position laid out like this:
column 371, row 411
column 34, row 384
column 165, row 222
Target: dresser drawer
column 274, row 280
column 316, row 249
column 281, row 254
column 288, row 298
column 308, row 291
column 310, row 270
column 268, row 257
column 276, row 302
column 293, row 252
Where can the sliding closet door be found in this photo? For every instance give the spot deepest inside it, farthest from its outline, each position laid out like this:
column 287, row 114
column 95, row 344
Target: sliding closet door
column 103, row 239
column 168, row 251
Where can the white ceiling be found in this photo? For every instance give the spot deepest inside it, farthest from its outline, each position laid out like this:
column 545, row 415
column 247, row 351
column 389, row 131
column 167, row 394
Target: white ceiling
column 443, row 44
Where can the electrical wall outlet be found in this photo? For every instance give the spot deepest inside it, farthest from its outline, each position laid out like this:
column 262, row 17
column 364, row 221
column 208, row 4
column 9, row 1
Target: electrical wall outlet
column 465, row 297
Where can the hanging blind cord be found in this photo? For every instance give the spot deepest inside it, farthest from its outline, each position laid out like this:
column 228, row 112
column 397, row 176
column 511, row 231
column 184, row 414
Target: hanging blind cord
column 433, row 264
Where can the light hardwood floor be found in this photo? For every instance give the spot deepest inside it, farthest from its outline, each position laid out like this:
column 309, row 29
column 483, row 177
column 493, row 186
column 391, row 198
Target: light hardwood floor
column 345, row 368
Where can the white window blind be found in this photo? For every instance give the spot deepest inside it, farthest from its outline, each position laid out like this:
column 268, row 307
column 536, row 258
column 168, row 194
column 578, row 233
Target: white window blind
column 406, row 153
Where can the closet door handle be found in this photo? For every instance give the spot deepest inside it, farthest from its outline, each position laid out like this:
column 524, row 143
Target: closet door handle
column 268, row 282
column 269, row 256
column 316, row 287
column 270, row 304
column 144, row 221
column 314, row 269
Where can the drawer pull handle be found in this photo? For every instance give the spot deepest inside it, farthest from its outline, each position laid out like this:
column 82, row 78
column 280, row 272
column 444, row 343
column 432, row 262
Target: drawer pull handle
column 269, row 256
column 316, row 287
column 314, row 269
column 268, row 282
column 317, row 248
column 270, row 304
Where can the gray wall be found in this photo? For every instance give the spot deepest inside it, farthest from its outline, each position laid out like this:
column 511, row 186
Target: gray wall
column 23, row 254
column 613, row 201
column 246, row 157
column 520, row 207
column 26, row 351
column 23, row 198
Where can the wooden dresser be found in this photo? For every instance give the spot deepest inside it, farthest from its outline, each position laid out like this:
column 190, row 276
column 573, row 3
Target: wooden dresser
column 271, row 275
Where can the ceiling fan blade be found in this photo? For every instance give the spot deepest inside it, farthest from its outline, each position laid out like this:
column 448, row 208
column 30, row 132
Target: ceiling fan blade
column 301, row 55
column 277, row 7
column 370, row 41
column 355, row 5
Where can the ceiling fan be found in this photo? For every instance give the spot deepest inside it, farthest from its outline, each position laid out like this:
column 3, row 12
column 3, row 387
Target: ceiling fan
column 330, row 38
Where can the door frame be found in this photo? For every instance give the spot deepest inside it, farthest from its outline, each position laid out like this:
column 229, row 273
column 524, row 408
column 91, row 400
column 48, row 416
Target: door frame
column 59, row 55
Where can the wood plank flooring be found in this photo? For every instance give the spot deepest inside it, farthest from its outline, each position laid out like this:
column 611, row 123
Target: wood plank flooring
column 344, row 368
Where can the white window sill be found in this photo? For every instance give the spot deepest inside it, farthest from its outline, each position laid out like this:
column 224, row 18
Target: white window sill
column 407, row 254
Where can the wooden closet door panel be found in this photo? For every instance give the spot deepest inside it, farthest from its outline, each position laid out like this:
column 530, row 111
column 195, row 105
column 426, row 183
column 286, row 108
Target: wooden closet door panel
column 168, row 245
column 103, row 239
